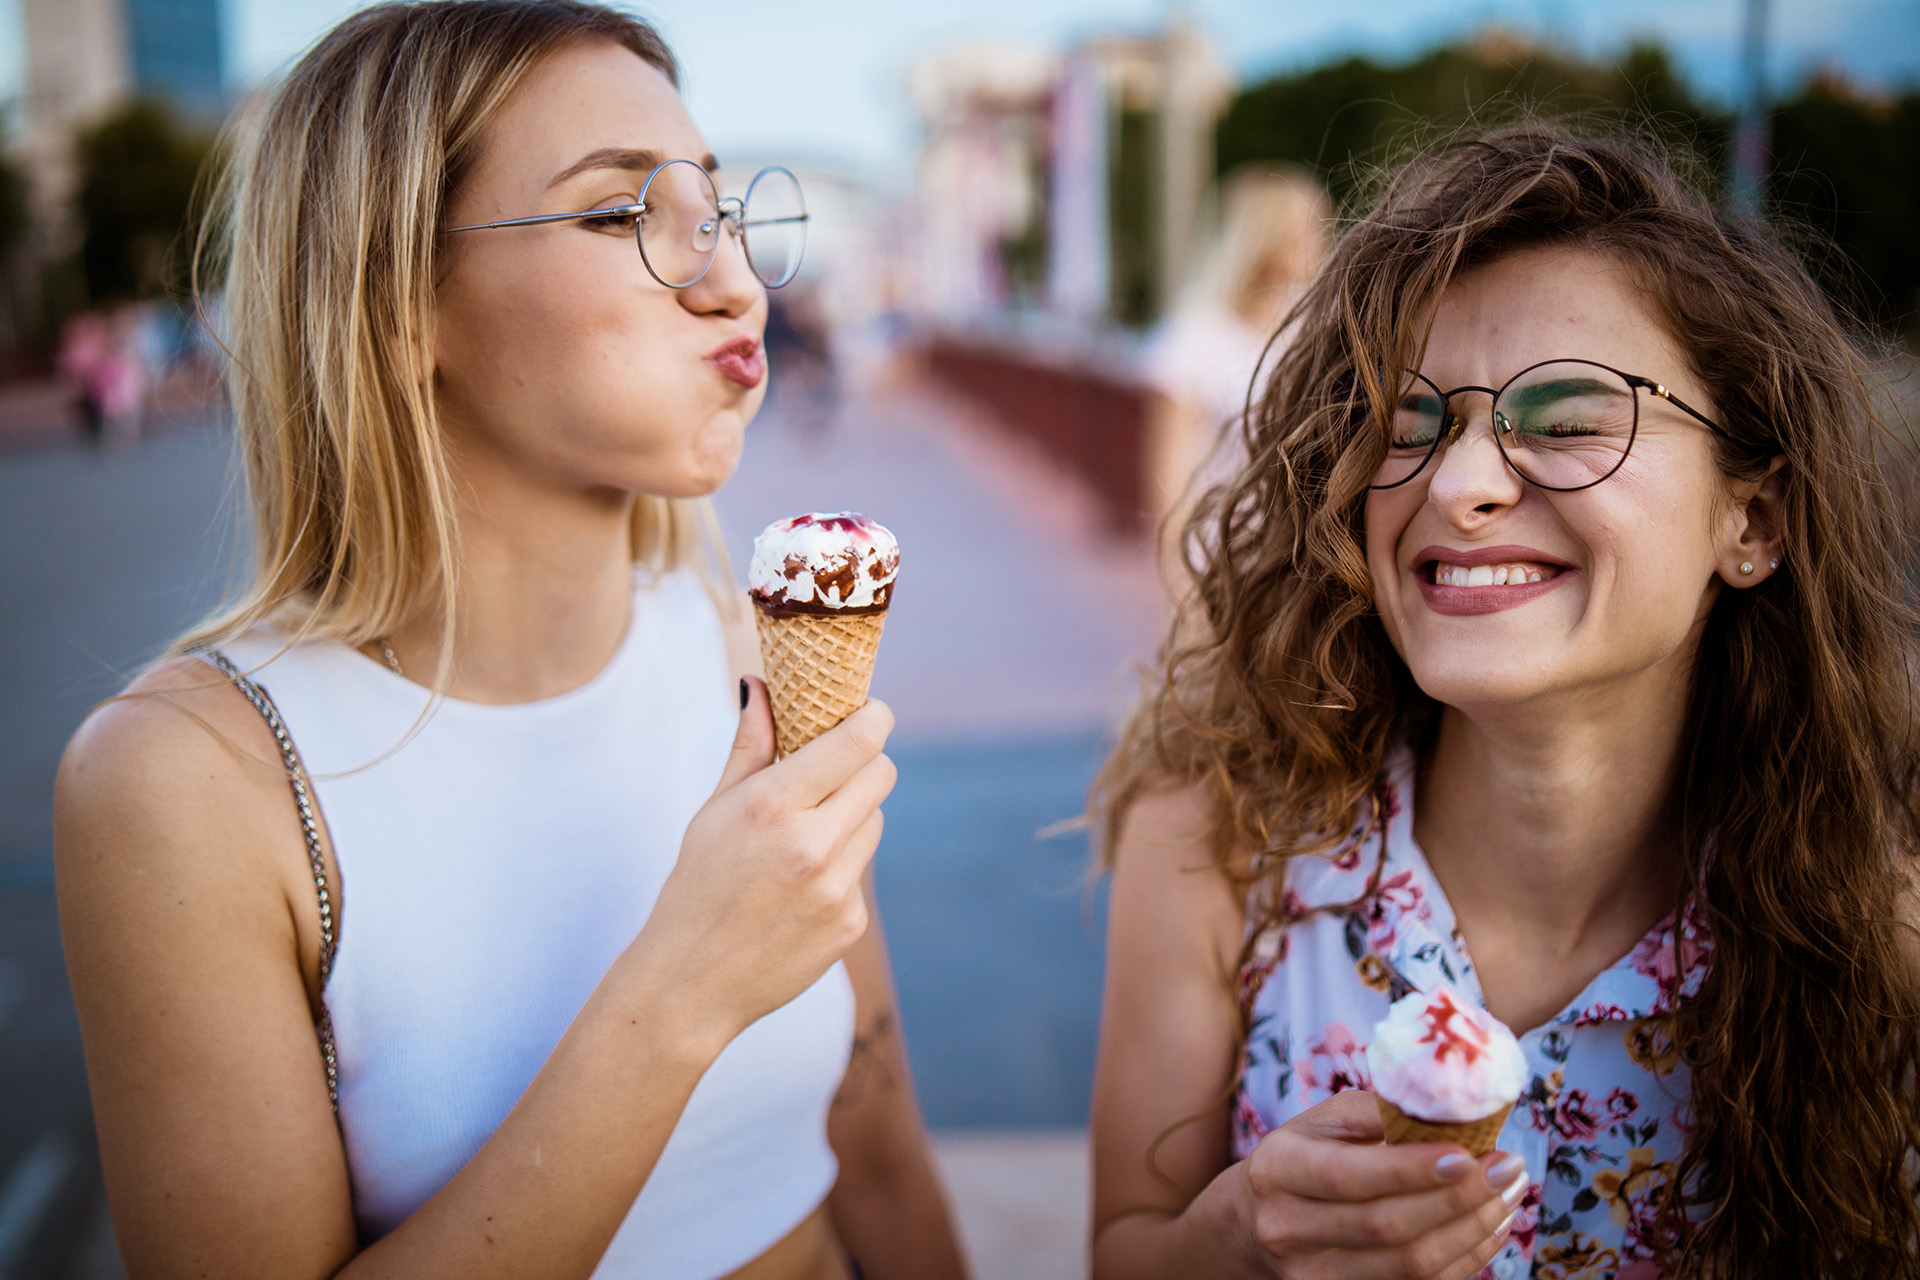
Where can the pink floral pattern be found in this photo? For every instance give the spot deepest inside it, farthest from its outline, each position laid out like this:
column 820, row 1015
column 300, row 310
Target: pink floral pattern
column 1599, row 1125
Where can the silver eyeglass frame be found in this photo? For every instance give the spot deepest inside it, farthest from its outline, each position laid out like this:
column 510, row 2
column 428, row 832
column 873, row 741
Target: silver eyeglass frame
column 732, row 210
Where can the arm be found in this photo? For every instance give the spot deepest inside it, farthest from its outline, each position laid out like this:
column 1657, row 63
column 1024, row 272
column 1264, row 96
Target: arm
column 1320, row 1197
column 888, row 1204
column 181, row 873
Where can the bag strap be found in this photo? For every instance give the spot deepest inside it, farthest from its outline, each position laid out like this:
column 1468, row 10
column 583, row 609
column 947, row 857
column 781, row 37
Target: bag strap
column 310, row 828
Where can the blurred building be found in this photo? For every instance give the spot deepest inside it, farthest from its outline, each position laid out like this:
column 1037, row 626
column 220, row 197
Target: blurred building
column 1074, row 185
column 85, row 57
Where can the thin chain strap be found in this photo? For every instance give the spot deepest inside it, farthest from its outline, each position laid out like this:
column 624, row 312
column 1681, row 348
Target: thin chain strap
column 310, row 828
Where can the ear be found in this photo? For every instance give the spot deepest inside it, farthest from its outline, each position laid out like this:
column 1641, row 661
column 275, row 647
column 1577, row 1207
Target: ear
column 1752, row 550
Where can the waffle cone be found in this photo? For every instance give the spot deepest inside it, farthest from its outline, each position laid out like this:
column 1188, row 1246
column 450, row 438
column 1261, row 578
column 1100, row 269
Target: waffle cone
column 1477, row 1136
column 818, row 668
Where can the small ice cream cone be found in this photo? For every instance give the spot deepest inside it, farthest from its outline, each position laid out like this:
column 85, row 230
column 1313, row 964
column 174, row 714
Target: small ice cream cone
column 1477, row 1136
column 1437, row 1054
column 818, row 669
column 820, row 585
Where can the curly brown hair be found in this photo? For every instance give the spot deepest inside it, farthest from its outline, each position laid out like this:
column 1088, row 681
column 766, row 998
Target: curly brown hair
column 1278, row 692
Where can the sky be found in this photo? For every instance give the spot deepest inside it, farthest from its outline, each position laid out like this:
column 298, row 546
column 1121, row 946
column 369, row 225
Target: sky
column 821, row 81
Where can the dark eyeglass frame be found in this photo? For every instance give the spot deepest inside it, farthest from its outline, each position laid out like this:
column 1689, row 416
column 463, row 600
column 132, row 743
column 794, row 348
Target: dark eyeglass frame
column 732, row 211
column 1452, row 424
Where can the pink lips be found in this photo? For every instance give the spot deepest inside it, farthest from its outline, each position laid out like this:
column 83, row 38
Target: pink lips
column 740, row 361
column 1470, row 601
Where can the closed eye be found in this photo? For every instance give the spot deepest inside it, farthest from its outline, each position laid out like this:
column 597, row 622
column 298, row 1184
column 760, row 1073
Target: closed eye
column 620, row 218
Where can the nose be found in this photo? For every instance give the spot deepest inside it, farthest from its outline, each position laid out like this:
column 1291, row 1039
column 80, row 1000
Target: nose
column 1471, row 480
column 730, row 287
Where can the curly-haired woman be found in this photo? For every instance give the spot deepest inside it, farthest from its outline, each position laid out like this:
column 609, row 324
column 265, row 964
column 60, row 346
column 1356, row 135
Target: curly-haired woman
column 1553, row 645
column 505, row 985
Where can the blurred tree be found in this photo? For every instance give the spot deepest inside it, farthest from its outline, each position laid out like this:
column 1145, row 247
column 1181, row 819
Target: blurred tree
column 138, row 169
column 14, row 218
column 1347, row 119
column 1848, row 166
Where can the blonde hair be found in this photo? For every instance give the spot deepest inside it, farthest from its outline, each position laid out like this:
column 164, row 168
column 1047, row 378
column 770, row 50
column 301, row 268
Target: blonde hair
column 1276, row 224
column 328, row 225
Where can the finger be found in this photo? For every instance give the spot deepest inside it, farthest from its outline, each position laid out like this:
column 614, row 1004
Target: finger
column 1352, row 1115
column 1400, row 1220
column 823, row 766
column 859, row 795
column 853, row 855
column 753, row 740
column 1347, row 1172
column 1461, row 1247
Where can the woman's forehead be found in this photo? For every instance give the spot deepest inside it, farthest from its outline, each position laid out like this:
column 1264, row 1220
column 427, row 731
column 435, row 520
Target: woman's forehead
column 1540, row 304
column 586, row 102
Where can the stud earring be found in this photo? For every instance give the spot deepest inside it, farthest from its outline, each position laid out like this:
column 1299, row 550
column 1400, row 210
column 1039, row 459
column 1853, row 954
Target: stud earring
column 1773, row 563
column 1746, row 566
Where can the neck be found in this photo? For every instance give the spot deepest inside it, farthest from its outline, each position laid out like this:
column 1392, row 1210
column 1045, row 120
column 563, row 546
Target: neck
column 545, row 591
column 1553, row 829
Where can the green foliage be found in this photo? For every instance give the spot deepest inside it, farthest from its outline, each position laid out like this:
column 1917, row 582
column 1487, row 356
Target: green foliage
column 15, row 219
column 1134, row 218
column 1848, row 168
column 138, row 170
column 1349, row 118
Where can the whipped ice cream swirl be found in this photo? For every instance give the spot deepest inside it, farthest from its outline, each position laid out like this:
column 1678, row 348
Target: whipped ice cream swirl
column 836, row 562
column 1439, row 1058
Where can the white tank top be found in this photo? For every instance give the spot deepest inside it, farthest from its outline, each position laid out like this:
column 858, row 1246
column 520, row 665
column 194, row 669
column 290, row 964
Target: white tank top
column 491, row 869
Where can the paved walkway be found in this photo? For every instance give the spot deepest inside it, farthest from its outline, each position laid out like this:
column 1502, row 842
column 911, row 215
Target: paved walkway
column 1014, row 615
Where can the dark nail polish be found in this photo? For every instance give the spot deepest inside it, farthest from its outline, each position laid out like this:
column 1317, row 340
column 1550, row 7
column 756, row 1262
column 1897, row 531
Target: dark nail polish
column 743, row 693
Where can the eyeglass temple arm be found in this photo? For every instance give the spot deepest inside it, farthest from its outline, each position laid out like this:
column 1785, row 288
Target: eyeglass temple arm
column 618, row 209
column 1660, row 390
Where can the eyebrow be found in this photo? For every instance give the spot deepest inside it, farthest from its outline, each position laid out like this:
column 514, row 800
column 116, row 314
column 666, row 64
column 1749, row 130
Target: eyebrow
column 633, row 159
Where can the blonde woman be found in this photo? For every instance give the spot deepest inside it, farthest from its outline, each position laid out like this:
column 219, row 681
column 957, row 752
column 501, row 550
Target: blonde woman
column 542, row 966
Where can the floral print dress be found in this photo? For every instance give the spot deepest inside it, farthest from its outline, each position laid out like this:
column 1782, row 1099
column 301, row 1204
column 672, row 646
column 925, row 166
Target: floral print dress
column 1600, row 1124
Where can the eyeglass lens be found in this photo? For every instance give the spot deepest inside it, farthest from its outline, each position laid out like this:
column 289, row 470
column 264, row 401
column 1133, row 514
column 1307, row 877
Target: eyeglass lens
column 680, row 227
column 1563, row 425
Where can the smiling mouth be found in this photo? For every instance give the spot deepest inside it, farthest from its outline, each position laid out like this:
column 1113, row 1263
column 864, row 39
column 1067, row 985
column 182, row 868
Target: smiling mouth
column 1514, row 574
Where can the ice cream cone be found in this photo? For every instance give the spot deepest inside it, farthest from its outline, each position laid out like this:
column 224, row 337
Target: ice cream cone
column 1477, row 1136
column 818, row 668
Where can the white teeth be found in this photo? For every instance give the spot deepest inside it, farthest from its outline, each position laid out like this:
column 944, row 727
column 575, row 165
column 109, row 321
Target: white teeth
column 1481, row 575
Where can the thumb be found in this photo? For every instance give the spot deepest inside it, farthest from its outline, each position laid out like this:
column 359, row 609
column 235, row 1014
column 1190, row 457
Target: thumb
column 753, row 743
column 1352, row 1115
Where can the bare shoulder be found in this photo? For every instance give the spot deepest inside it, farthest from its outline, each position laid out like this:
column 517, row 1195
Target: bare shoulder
column 1174, row 886
column 158, row 771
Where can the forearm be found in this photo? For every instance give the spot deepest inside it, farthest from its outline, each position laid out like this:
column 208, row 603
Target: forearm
column 897, row 1223
column 1210, row 1237
column 548, row 1190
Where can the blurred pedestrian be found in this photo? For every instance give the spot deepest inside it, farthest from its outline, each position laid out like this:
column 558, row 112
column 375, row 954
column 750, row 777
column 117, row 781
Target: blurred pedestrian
column 100, row 356
column 1552, row 645
column 1276, row 223
column 546, row 966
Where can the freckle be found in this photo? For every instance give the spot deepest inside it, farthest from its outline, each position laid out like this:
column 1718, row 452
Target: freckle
column 519, row 381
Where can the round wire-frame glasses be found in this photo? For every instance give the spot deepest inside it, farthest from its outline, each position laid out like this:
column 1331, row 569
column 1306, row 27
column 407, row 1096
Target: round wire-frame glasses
column 679, row 216
column 1562, row 425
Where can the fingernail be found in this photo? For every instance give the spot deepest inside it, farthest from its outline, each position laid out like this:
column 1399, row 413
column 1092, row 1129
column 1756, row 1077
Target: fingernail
column 1504, row 1227
column 743, row 693
column 1505, row 1170
column 1512, row 1195
column 1451, row 1168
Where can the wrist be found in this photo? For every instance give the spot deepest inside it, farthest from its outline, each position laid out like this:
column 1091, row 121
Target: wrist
column 671, row 1010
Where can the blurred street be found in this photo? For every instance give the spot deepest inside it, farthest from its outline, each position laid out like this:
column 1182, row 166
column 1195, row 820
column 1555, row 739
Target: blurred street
column 1004, row 713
